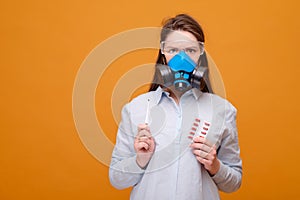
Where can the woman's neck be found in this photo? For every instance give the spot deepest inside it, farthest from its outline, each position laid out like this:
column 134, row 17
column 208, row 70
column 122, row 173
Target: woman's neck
column 175, row 94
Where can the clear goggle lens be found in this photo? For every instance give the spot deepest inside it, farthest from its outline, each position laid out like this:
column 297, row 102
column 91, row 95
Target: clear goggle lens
column 191, row 48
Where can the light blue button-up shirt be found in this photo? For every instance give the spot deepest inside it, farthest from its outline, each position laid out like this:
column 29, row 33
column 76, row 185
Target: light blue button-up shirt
column 173, row 172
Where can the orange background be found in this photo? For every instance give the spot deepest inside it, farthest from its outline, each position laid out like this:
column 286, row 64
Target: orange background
column 43, row 43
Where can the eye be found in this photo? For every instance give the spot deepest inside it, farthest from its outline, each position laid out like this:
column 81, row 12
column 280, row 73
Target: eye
column 171, row 50
column 190, row 50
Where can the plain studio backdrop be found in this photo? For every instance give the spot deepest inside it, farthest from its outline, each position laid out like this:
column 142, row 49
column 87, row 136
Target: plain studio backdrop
column 43, row 44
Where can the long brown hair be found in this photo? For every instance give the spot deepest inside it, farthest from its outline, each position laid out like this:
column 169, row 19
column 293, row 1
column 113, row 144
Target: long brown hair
column 182, row 22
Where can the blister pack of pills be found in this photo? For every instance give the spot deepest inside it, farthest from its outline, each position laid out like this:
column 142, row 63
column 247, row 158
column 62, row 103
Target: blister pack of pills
column 199, row 128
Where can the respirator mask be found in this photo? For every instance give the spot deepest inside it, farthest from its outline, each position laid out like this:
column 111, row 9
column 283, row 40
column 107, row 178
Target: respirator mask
column 182, row 71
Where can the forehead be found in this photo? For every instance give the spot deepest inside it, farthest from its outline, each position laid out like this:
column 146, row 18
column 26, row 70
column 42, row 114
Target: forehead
column 181, row 36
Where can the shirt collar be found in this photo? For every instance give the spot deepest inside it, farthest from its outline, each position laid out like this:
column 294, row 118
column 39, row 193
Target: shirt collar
column 196, row 92
column 159, row 92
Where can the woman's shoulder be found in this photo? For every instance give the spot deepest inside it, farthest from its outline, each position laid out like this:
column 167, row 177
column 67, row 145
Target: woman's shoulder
column 142, row 98
column 223, row 109
column 152, row 96
column 219, row 101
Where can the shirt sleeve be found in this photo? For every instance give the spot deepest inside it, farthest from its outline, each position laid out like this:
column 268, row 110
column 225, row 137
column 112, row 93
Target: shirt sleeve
column 124, row 171
column 229, row 176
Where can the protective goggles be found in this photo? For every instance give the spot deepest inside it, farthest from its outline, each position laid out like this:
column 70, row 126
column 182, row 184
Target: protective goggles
column 191, row 48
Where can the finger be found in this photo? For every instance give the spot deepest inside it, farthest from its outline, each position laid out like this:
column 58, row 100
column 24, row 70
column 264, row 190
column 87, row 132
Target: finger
column 201, row 154
column 201, row 139
column 213, row 152
column 144, row 133
column 142, row 145
column 143, row 127
column 144, row 139
column 201, row 146
column 207, row 163
column 214, row 147
column 210, row 156
column 201, row 160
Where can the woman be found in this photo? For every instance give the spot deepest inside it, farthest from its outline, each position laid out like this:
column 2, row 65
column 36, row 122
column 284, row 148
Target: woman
column 179, row 140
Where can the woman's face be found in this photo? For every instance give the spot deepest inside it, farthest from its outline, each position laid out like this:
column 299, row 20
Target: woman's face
column 177, row 41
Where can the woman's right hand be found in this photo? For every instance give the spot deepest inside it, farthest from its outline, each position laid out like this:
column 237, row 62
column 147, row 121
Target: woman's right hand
column 144, row 145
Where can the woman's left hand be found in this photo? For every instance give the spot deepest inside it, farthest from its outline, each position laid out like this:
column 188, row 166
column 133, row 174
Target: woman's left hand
column 206, row 154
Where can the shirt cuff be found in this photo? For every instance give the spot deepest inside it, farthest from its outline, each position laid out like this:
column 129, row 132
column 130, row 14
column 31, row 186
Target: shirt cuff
column 220, row 176
column 130, row 165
